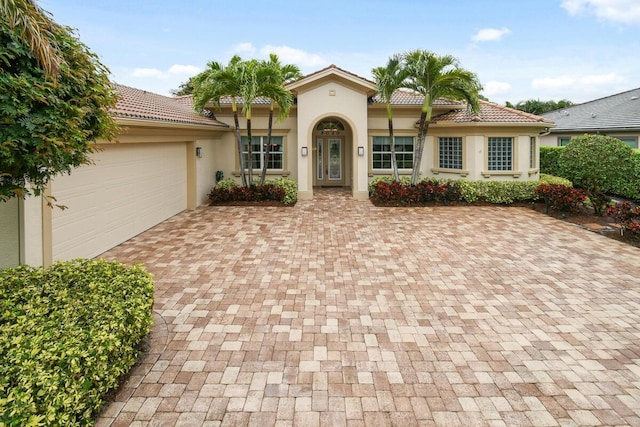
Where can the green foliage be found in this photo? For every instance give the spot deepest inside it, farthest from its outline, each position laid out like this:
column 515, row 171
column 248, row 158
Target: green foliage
column 290, row 189
column 67, row 335
column 406, row 180
column 425, row 192
column 498, row 192
column 226, row 184
column 550, row 179
column 599, row 165
column 47, row 126
column 535, row 106
column 550, row 160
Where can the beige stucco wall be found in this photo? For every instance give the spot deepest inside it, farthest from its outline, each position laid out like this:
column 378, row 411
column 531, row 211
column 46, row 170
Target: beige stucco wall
column 333, row 99
column 10, row 232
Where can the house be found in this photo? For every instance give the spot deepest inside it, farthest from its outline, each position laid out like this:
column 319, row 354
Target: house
column 165, row 159
column 616, row 115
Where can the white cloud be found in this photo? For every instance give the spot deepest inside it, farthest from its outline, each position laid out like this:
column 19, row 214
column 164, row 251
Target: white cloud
column 244, row 48
column 174, row 70
column 490, row 34
column 493, row 88
column 289, row 55
column 147, row 72
column 577, row 83
column 620, row 11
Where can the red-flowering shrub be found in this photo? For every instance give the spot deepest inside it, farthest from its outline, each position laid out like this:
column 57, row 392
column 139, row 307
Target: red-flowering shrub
column 425, row 192
column 560, row 197
column 627, row 215
column 256, row 193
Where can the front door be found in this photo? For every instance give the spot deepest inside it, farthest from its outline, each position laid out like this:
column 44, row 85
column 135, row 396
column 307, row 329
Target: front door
column 330, row 161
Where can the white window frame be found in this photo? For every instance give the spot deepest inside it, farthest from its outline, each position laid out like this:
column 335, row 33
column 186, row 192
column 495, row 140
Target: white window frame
column 272, row 154
column 387, row 153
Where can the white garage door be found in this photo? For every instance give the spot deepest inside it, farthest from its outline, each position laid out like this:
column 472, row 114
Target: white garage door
column 131, row 188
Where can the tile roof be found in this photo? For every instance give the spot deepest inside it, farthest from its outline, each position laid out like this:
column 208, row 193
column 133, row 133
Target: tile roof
column 139, row 104
column 491, row 113
column 407, row 97
column 616, row 112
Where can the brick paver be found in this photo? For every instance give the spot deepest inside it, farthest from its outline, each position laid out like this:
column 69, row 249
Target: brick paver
column 335, row 312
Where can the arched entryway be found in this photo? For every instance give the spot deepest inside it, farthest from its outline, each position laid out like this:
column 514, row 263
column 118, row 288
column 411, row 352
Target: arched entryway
column 332, row 153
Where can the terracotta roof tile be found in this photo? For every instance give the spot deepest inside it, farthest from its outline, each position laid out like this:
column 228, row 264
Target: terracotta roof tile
column 406, row 97
column 139, row 104
column 490, row 113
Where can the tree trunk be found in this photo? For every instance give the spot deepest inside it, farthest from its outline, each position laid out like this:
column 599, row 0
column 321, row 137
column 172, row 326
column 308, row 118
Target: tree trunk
column 394, row 161
column 265, row 159
column 238, row 141
column 417, row 161
column 249, row 152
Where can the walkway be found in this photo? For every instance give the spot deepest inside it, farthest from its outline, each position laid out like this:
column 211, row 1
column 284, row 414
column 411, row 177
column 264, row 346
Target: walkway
column 335, row 312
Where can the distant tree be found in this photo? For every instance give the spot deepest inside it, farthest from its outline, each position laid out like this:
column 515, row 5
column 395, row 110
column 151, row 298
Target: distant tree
column 55, row 98
column 185, row 88
column 436, row 77
column 535, row 106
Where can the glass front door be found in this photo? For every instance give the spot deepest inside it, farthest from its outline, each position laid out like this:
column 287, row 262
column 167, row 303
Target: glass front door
column 329, row 161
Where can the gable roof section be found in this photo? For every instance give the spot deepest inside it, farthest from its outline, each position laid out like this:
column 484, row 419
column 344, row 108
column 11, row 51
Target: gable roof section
column 332, row 72
column 616, row 112
column 139, row 104
column 492, row 113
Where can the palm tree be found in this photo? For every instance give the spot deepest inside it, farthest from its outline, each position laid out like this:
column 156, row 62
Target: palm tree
column 218, row 82
column 276, row 75
column 436, row 77
column 389, row 79
column 35, row 26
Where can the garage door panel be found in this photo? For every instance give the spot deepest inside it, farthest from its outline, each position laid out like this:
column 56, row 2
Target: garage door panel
column 130, row 188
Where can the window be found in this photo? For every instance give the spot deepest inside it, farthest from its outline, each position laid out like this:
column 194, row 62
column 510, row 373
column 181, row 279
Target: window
column 563, row 140
column 450, row 152
column 381, row 152
column 500, row 154
column 258, row 147
column 532, row 152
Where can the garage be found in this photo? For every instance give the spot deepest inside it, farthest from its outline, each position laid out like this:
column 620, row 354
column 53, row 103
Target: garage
column 129, row 189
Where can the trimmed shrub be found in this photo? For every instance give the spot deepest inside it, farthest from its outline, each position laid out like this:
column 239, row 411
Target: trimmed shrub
column 406, row 180
column 550, row 179
column 226, row 184
column 67, row 335
column 627, row 215
column 290, row 189
column 498, row 192
column 560, row 197
column 425, row 192
column 550, row 160
column 599, row 165
column 279, row 190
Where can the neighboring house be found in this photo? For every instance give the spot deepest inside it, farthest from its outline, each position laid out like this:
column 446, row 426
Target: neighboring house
column 616, row 115
column 166, row 157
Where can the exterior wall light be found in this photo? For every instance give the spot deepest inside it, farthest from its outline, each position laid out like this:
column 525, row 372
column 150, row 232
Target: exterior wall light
column 304, row 151
column 360, row 151
column 198, row 151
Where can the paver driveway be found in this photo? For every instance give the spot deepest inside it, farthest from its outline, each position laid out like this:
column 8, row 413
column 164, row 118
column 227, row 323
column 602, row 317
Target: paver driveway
column 335, row 312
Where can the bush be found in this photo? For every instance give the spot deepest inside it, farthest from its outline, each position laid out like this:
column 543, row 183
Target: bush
column 406, row 180
column 425, row 192
column 226, row 184
column 560, row 197
column 550, row 160
column 550, row 179
column 627, row 215
column 281, row 190
column 67, row 335
column 498, row 192
column 599, row 165
column 290, row 189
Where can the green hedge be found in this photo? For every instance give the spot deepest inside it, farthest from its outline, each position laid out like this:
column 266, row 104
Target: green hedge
column 630, row 188
column 290, row 187
column 549, row 156
column 498, row 192
column 67, row 335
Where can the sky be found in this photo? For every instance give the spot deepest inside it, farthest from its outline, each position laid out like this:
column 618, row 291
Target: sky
column 578, row 50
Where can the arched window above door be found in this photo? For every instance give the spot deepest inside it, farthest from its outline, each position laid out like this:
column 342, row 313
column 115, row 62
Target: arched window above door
column 330, row 127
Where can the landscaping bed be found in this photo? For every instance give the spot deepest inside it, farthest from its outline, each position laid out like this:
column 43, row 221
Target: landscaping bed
column 68, row 334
